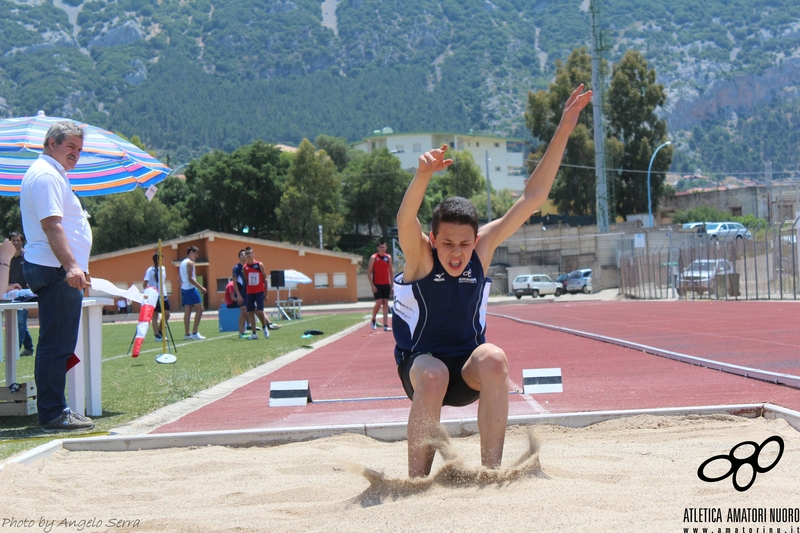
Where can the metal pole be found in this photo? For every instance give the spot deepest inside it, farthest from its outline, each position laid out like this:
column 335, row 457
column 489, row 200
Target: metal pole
column 601, row 187
column 660, row 281
column 780, row 261
column 488, row 191
column 691, row 260
column 755, row 264
column 766, row 262
column 649, row 201
column 733, row 262
column 674, row 279
column 716, row 288
column 744, row 261
column 794, row 257
column 640, row 278
column 320, row 236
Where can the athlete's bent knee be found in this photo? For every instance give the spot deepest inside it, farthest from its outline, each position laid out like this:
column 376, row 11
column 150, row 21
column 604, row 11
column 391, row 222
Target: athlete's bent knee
column 493, row 361
column 431, row 381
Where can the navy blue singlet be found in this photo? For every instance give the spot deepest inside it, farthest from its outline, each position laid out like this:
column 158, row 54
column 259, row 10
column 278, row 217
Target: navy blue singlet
column 440, row 314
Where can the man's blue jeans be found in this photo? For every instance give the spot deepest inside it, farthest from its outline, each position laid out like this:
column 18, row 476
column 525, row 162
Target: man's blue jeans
column 22, row 327
column 59, row 318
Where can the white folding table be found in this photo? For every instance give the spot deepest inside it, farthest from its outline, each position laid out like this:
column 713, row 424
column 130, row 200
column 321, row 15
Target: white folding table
column 84, row 380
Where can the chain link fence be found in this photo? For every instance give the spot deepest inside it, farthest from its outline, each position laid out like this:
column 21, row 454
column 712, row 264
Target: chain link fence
column 763, row 266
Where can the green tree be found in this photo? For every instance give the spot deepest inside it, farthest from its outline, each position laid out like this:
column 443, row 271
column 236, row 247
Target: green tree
column 373, row 194
column 129, row 219
column 634, row 133
column 336, row 148
column 462, row 178
column 11, row 218
column 573, row 191
column 700, row 213
column 311, row 197
column 501, row 202
column 174, row 192
column 231, row 192
column 633, row 99
column 704, row 213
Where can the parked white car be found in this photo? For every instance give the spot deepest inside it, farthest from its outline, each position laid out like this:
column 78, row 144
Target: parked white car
column 535, row 285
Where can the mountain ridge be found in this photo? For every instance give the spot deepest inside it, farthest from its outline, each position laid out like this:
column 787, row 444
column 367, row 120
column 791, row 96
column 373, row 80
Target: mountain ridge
column 283, row 70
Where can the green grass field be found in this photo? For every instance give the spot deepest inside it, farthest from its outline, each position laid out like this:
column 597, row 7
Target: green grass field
column 136, row 387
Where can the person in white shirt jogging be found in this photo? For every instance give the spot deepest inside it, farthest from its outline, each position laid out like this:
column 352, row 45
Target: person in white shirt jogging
column 190, row 294
column 153, row 279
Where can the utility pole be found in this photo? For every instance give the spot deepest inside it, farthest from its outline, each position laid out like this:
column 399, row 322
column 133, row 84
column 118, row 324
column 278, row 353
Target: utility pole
column 488, row 191
column 601, row 187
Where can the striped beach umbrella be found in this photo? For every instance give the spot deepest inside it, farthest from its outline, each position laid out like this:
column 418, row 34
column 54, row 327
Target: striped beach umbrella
column 108, row 164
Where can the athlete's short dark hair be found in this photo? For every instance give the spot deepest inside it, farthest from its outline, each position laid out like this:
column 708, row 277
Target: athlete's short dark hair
column 455, row 210
column 192, row 249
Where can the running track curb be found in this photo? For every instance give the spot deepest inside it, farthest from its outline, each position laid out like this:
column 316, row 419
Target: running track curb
column 386, row 432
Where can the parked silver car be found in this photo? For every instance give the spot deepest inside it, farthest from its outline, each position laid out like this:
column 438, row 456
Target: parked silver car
column 701, row 275
column 580, row 281
column 535, row 285
column 724, row 230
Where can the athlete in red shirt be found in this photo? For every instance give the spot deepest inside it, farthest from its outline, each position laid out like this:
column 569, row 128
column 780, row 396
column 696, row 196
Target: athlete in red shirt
column 255, row 281
column 380, row 274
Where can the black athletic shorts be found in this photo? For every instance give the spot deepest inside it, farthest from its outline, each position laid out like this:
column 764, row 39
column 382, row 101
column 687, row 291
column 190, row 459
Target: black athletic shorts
column 458, row 392
column 384, row 292
column 158, row 305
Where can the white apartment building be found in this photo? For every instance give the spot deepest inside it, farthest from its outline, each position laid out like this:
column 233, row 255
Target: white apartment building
column 506, row 170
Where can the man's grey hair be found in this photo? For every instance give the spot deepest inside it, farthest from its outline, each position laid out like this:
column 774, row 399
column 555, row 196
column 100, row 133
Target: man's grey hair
column 61, row 130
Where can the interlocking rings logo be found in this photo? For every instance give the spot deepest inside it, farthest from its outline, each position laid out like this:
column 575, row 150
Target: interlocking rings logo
column 737, row 463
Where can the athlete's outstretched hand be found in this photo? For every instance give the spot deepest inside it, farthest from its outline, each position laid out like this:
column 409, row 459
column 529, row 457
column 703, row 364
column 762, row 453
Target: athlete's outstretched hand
column 433, row 161
column 572, row 109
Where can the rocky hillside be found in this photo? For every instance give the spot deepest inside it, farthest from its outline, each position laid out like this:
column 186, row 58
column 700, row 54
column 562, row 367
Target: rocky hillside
column 188, row 75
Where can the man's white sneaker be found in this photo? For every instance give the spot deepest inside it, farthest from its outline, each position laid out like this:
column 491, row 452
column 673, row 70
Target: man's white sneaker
column 374, row 325
column 197, row 337
column 187, row 337
column 253, row 337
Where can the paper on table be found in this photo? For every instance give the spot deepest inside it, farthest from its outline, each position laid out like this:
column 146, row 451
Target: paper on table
column 107, row 287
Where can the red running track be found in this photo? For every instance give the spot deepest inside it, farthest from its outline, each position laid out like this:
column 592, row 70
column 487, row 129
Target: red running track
column 597, row 376
column 760, row 335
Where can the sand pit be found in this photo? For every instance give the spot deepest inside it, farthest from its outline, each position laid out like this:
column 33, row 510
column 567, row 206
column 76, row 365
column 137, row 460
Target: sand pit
column 634, row 474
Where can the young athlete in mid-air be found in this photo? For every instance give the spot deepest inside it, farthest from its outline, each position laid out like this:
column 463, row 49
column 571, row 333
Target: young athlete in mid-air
column 440, row 302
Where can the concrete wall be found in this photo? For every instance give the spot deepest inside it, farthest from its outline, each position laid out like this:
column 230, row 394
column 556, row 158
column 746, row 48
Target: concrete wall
column 533, row 249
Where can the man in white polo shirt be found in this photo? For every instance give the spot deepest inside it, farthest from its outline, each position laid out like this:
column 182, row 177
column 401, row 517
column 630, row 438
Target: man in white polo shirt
column 56, row 268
